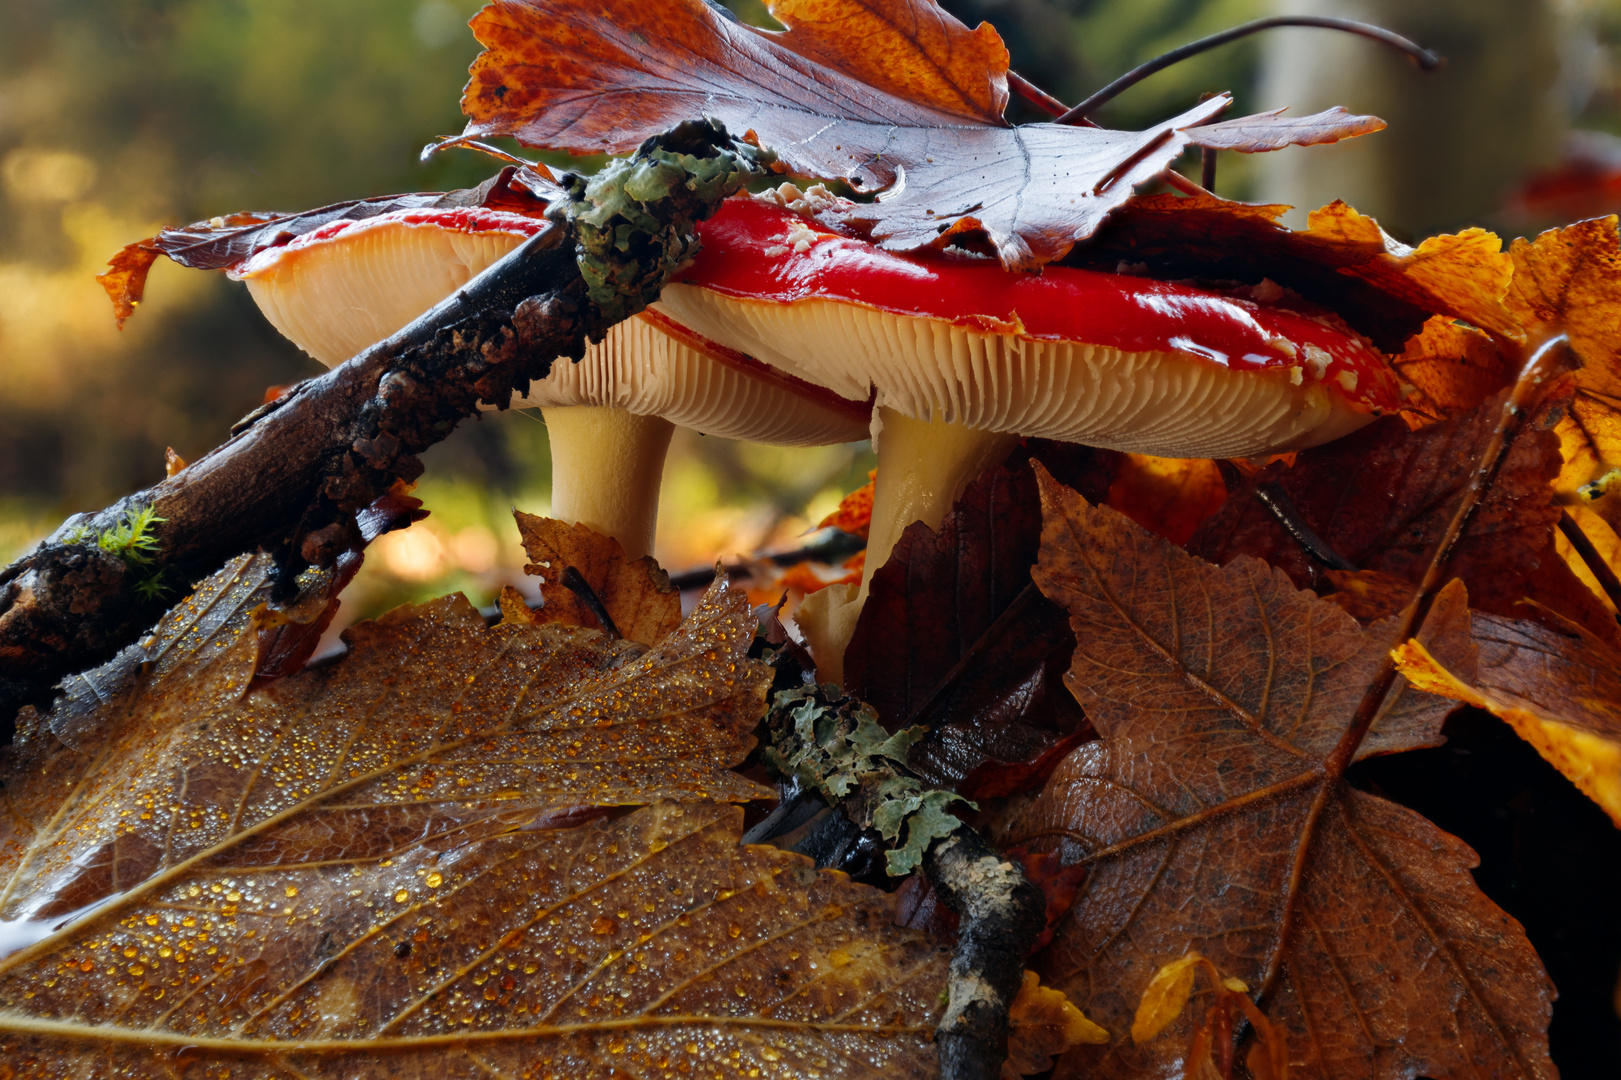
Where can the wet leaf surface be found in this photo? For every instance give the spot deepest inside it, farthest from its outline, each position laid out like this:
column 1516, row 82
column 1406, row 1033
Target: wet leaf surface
column 1213, row 817
column 890, row 95
column 407, row 860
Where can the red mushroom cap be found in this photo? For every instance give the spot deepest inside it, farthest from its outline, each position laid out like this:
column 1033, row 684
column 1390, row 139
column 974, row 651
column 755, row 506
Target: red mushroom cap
column 760, row 260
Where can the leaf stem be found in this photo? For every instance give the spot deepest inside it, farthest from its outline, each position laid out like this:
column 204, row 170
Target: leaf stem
column 1424, row 58
column 1590, row 555
column 1527, row 388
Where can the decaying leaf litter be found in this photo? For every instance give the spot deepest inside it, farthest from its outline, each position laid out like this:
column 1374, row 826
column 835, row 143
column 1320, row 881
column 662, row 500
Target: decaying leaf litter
column 482, row 850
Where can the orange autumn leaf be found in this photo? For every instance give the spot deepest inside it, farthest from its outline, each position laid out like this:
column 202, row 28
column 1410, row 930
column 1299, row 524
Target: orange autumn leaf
column 1453, row 368
column 887, row 95
column 854, row 513
column 1570, row 280
column 1342, row 262
column 1042, row 1024
column 1561, row 691
column 1168, row 496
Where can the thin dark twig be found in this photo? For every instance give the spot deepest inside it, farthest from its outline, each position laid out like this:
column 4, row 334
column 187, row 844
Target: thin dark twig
column 1038, row 97
column 1424, row 58
column 1207, row 168
column 1281, row 507
column 1595, row 562
column 835, row 549
column 575, row 583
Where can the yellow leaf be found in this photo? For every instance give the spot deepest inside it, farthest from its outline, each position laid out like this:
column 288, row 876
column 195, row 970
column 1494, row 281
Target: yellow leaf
column 1561, row 692
column 1167, row 993
column 1042, row 1024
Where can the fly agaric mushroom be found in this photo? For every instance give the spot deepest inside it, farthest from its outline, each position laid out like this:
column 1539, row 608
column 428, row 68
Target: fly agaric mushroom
column 609, row 417
column 964, row 358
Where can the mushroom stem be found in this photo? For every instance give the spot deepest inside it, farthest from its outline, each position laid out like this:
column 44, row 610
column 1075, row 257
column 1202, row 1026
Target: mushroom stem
column 923, row 467
column 607, row 464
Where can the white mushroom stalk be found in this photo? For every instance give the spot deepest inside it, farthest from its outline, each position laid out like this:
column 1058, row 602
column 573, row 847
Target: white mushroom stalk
column 609, row 417
column 963, row 358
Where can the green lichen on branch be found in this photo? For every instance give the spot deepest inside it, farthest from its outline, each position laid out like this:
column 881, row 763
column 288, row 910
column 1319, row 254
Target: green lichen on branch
column 634, row 220
column 834, row 744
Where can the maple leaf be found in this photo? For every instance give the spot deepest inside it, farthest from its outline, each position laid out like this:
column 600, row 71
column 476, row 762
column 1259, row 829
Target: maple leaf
column 225, row 241
column 635, row 593
column 401, row 861
column 892, row 96
column 1560, row 689
column 953, row 637
column 1382, row 497
column 1214, row 818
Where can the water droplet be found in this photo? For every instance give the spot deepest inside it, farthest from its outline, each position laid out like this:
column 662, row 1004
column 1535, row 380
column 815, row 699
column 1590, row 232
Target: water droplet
column 435, row 880
column 292, row 890
column 735, row 930
column 604, row 925
column 402, row 896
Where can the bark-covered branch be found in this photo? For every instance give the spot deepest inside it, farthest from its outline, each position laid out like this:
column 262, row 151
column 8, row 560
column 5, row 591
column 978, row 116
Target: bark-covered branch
column 296, row 475
column 833, row 744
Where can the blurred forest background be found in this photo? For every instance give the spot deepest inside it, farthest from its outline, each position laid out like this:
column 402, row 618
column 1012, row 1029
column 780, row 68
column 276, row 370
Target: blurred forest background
column 118, row 118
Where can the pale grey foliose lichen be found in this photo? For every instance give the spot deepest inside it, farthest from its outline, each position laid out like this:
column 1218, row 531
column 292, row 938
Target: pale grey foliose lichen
column 834, row 744
column 635, row 221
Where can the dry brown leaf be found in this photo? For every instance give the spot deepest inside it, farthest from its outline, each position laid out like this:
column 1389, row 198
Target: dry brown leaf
column 226, row 241
column 1382, row 498
column 1042, row 1024
column 376, row 867
column 1368, row 595
column 636, row 592
column 890, row 95
column 1213, row 817
column 1560, row 691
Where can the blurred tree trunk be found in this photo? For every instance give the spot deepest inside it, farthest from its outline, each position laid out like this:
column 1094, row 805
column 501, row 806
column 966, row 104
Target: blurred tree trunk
column 1458, row 140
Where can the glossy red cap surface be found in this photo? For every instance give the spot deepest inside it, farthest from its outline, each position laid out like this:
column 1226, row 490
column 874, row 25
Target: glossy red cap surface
column 758, row 251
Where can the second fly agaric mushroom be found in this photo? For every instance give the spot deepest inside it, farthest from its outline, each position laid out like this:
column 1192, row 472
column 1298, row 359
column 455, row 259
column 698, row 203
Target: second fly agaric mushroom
column 965, row 358
column 609, row 417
